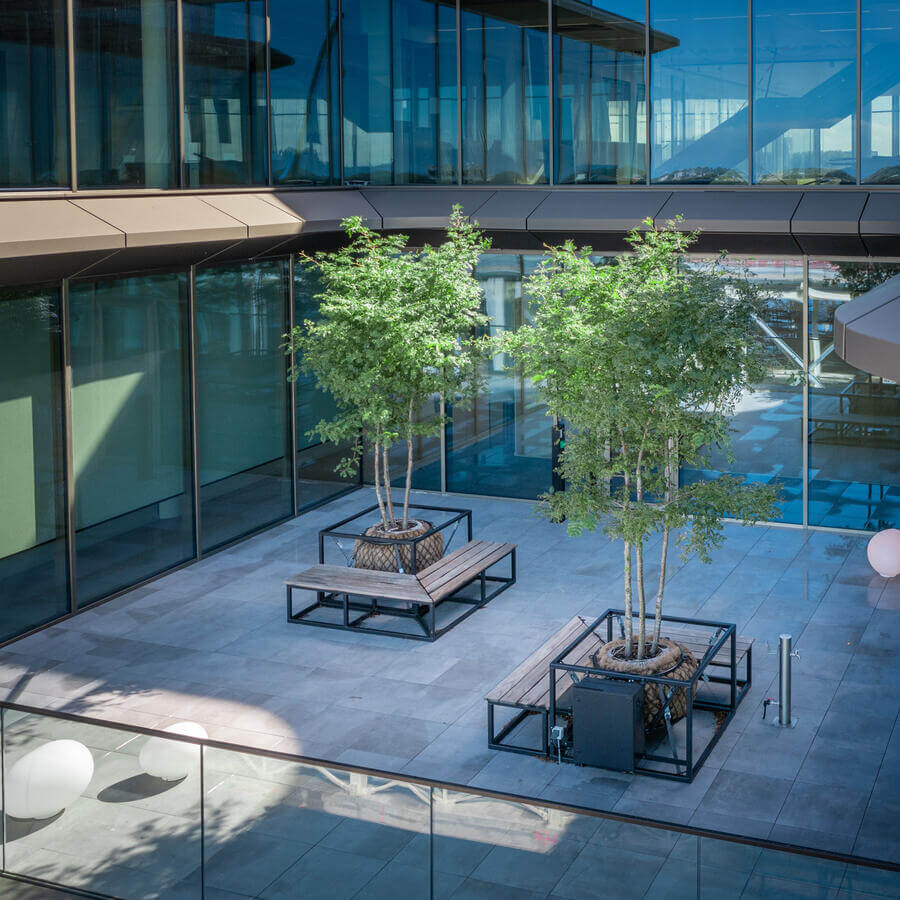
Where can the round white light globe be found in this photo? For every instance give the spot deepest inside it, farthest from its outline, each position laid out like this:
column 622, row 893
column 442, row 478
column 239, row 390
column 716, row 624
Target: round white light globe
column 884, row 552
column 171, row 760
column 47, row 780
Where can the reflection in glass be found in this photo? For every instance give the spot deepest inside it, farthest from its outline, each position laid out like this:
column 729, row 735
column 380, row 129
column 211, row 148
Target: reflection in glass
column 304, row 92
column 399, row 91
column 34, row 150
column 130, row 432
column 880, row 88
column 804, row 88
column 33, row 573
column 146, row 832
column 601, row 133
column 242, row 405
column 501, row 445
column 316, row 461
column 225, row 92
column 699, row 91
column 767, row 428
column 505, row 92
column 854, row 417
column 126, row 97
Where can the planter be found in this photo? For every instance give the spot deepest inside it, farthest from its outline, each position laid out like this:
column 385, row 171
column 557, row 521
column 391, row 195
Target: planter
column 394, row 550
column 673, row 661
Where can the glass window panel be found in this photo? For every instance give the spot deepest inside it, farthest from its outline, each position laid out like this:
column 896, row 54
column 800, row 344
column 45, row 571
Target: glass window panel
column 501, row 445
column 316, row 461
column 804, row 88
column 880, row 76
column 34, row 151
column 242, row 406
column 304, row 92
column 399, row 91
column 854, row 417
column 126, row 82
column 505, row 92
column 225, row 92
column 127, row 834
column 130, row 430
column 699, row 90
column 767, row 428
column 600, row 93
column 33, row 571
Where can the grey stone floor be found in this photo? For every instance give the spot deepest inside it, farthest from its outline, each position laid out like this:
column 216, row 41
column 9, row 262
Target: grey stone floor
column 210, row 644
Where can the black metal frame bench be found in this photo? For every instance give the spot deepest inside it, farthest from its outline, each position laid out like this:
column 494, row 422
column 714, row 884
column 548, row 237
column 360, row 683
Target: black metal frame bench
column 418, row 595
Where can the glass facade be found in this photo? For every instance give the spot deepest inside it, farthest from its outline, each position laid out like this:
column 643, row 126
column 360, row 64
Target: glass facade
column 130, row 430
column 880, row 90
column 225, row 126
column 505, row 92
column 242, row 404
column 305, row 103
column 126, row 81
column 33, row 569
column 804, row 89
column 34, row 137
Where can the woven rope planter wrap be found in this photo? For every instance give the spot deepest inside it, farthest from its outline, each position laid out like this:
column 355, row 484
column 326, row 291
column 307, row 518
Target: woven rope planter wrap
column 393, row 557
column 673, row 660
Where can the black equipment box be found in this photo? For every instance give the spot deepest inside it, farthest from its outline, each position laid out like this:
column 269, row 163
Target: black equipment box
column 607, row 723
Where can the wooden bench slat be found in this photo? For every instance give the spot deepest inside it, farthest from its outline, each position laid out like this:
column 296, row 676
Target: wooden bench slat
column 346, row 580
column 540, row 694
column 466, row 567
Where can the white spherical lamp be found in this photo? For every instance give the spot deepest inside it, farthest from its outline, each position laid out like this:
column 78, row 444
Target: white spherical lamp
column 47, row 780
column 884, row 552
column 171, row 760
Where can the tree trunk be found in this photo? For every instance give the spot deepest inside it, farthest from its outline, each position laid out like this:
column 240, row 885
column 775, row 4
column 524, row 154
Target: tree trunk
column 389, row 501
column 642, row 605
column 629, row 637
column 657, row 616
column 378, row 483
column 409, row 468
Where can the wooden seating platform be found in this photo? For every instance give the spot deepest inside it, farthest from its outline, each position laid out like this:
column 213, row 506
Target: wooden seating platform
column 527, row 688
column 402, row 594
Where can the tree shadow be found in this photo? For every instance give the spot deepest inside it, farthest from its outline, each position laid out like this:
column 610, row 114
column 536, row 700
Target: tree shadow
column 137, row 787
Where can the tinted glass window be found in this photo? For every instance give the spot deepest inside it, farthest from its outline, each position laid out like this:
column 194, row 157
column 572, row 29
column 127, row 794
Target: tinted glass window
column 880, row 72
column 242, row 409
column 804, row 85
column 33, row 569
column 34, row 149
column 305, row 93
column 505, row 92
column 126, row 96
column 130, row 430
column 600, row 93
column 225, row 92
column 699, row 90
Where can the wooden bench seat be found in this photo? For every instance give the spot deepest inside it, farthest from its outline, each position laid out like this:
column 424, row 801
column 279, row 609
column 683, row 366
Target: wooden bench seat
column 420, row 593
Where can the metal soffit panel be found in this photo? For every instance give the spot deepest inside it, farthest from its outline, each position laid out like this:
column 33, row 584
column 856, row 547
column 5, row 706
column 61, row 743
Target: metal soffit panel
column 592, row 210
column 39, row 228
column 422, row 208
column 867, row 330
column 734, row 212
column 325, row 210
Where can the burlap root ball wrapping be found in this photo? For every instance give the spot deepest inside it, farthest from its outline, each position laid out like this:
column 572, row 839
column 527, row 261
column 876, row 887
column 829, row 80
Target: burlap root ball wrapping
column 673, row 660
column 384, row 557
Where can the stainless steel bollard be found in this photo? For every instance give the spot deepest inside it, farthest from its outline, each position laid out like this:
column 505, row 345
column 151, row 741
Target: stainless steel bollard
column 784, row 680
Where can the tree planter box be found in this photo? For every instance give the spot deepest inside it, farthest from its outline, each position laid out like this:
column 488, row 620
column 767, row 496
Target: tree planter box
column 676, row 750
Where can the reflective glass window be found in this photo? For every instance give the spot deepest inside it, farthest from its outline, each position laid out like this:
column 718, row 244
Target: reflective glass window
column 34, row 150
column 854, row 417
column 225, row 92
column 242, row 405
column 599, row 53
column 804, row 89
column 767, row 427
column 505, row 92
column 880, row 76
column 699, row 90
column 130, row 430
column 399, row 91
column 304, row 92
column 33, row 571
column 316, row 461
column 501, row 445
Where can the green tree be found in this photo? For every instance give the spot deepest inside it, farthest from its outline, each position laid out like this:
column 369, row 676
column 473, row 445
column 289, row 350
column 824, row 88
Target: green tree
column 644, row 360
column 394, row 329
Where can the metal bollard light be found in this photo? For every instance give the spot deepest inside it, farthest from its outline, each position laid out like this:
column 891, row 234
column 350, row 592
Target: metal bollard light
column 785, row 654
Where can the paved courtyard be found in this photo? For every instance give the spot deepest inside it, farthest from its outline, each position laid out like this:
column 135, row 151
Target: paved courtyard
column 210, row 643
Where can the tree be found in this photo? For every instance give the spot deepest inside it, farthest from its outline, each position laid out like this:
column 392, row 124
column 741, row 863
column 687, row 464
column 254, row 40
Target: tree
column 394, row 329
column 644, row 360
